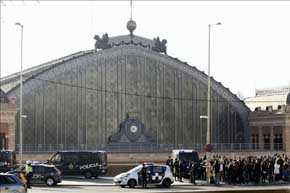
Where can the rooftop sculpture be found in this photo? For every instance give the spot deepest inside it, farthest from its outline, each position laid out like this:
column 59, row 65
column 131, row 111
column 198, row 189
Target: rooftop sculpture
column 102, row 43
column 159, row 46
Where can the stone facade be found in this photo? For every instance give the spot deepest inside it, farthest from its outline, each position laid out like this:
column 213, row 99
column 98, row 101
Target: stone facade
column 271, row 129
column 263, row 98
column 7, row 126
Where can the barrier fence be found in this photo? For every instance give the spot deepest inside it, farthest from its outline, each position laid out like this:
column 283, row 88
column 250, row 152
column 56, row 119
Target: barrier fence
column 217, row 147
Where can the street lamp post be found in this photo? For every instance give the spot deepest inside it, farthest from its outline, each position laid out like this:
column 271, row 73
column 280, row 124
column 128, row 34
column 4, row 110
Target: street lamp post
column 20, row 97
column 208, row 86
column 208, row 134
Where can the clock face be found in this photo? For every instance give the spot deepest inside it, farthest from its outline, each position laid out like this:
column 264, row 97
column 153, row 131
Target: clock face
column 133, row 129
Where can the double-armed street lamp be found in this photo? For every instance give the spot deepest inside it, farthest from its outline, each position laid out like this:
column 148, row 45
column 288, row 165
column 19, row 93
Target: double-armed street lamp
column 20, row 97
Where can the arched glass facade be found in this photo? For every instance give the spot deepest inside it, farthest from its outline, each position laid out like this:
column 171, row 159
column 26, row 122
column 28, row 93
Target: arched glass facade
column 79, row 102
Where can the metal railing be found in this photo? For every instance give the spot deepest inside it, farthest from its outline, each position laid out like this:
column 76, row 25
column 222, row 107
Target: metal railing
column 217, row 147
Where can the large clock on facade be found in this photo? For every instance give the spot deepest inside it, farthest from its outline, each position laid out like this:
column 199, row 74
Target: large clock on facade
column 133, row 129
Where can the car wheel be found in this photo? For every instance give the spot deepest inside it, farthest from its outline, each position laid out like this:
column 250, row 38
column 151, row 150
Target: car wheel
column 96, row 176
column 50, row 182
column 132, row 183
column 166, row 183
column 88, row 175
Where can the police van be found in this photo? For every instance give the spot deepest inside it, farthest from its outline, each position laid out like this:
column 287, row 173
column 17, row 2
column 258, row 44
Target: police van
column 156, row 175
column 86, row 163
column 186, row 156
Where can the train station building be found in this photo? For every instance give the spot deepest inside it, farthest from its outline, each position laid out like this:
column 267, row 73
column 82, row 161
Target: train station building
column 126, row 94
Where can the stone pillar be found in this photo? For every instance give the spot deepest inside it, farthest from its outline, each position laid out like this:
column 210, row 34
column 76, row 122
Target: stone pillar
column 11, row 136
column 286, row 134
column 261, row 141
column 272, row 138
column 287, row 138
column 286, row 131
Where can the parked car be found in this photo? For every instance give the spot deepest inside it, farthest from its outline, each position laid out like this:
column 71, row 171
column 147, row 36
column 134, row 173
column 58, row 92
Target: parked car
column 42, row 173
column 156, row 175
column 11, row 183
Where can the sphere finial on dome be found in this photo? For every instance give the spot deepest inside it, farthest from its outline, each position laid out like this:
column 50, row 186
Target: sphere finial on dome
column 131, row 26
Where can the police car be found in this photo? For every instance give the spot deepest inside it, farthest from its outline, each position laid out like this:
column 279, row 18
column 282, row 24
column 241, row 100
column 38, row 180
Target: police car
column 156, row 175
column 42, row 173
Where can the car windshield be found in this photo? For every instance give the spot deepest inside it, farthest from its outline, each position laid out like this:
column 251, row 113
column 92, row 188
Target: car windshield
column 136, row 169
column 188, row 156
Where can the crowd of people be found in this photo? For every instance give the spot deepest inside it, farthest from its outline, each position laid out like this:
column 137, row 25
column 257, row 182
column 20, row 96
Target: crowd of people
column 243, row 170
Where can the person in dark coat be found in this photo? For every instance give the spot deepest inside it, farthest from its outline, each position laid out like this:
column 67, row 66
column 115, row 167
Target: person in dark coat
column 231, row 172
column 182, row 168
column 144, row 176
column 216, row 168
column 192, row 171
column 270, row 170
column 257, row 171
column 264, row 172
column 169, row 162
column 247, row 172
column 176, row 169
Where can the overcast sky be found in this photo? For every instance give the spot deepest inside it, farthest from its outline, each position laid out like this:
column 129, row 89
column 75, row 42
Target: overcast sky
column 251, row 49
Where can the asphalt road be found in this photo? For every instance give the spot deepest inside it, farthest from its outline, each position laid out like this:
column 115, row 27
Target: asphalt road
column 104, row 185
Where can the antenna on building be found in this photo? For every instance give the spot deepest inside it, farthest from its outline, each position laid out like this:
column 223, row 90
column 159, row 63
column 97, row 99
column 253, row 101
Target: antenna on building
column 130, row 9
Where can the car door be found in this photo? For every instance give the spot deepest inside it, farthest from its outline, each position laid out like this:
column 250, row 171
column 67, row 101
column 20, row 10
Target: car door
column 3, row 185
column 156, row 174
column 70, row 163
column 8, row 184
column 38, row 174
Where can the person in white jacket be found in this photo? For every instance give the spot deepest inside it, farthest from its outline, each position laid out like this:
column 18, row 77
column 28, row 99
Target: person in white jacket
column 277, row 171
